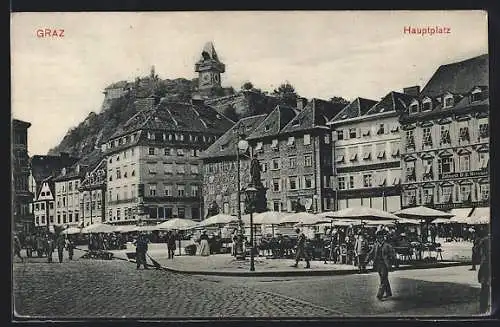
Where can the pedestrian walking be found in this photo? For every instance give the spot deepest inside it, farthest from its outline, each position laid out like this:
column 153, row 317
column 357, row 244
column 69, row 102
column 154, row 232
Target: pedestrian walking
column 382, row 255
column 17, row 247
column 302, row 251
column 171, row 244
column 60, row 244
column 361, row 250
column 484, row 273
column 476, row 258
column 29, row 246
column 70, row 247
column 433, row 232
column 141, row 248
column 41, row 244
column 49, row 247
column 204, row 246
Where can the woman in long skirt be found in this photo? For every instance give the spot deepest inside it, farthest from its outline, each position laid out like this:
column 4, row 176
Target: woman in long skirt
column 204, row 247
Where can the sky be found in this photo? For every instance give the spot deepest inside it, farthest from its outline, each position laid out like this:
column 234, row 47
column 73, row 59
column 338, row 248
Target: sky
column 58, row 81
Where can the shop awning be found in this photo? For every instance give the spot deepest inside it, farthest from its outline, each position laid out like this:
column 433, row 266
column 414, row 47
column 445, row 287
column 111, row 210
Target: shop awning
column 479, row 216
column 460, row 215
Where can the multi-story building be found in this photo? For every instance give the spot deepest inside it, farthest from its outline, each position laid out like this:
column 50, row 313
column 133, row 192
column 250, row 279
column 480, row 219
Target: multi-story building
column 293, row 147
column 44, row 204
column 45, row 166
column 445, row 130
column 367, row 153
column 67, row 197
column 22, row 197
column 92, row 195
column 153, row 164
column 220, row 167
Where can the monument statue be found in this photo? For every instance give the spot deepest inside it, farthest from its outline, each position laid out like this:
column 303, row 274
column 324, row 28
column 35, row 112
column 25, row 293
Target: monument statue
column 255, row 170
column 213, row 209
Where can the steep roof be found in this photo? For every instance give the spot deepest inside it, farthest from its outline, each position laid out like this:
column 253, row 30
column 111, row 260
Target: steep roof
column 356, row 108
column 458, row 77
column 226, row 145
column 43, row 166
column 392, row 102
column 317, row 113
column 274, row 122
column 172, row 116
column 73, row 172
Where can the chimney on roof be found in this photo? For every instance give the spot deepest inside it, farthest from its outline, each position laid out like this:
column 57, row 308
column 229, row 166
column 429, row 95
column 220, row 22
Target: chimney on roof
column 412, row 90
column 301, row 103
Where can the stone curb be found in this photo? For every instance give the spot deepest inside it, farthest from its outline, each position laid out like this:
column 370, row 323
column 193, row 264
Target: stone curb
column 300, row 272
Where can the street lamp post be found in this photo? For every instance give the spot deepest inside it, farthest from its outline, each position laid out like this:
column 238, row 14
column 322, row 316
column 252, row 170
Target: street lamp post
column 241, row 146
column 251, row 193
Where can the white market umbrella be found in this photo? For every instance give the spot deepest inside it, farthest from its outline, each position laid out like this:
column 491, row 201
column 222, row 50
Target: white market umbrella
column 422, row 213
column 71, row 231
column 440, row 221
column 364, row 213
column 406, row 221
column 98, row 228
column 127, row 228
column 269, row 218
column 303, row 218
column 219, row 219
column 480, row 216
column 177, row 224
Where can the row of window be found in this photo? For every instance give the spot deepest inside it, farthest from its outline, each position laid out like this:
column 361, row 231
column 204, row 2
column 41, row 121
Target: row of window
column 180, row 190
column 72, row 186
column 448, row 101
column 179, row 152
column 353, row 133
column 463, row 137
column 173, row 168
column 291, row 142
column 369, row 152
column 41, row 205
column 61, row 219
column 182, row 137
column 445, row 194
column 61, row 201
column 367, row 179
column 118, row 172
column 446, row 165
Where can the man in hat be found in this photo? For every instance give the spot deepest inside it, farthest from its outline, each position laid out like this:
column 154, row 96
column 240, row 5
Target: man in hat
column 382, row 255
column 301, row 250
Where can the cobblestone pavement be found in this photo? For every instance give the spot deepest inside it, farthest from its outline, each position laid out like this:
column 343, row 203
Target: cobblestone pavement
column 93, row 288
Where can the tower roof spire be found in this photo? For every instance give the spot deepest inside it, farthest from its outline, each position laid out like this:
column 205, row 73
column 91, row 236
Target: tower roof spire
column 209, row 52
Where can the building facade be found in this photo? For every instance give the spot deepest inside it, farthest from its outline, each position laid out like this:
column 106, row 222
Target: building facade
column 209, row 69
column 220, row 168
column 44, row 205
column 22, row 197
column 67, row 196
column 294, row 150
column 92, row 197
column 153, row 165
column 367, row 153
column 445, row 155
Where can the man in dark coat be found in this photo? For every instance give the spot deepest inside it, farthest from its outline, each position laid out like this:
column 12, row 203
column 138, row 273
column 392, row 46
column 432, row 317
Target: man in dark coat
column 17, row 247
column 382, row 255
column 475, row 252
column 141, row 248
column 60, row 244
column 171, row 244
column 302, row 251
column 484, row 273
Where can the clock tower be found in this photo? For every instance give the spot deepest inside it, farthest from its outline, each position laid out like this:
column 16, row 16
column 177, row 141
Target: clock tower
column 209, row 70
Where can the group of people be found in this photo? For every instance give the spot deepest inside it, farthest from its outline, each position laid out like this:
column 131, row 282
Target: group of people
column 44, row 244
column 103, row 242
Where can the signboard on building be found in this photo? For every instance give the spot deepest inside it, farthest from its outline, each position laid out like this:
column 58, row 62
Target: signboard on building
column 474, row 173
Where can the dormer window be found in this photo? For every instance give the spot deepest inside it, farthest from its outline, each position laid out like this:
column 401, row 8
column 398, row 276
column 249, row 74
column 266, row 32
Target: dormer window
column 291, row 141
column 274, row 144
column 476, row 95
column 258, row 147
column 267, row 128
column 426, row 104
column 414, row 107
column 448, row 101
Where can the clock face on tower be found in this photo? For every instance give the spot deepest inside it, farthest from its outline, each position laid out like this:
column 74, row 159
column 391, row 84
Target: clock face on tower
column 216, row 78
column 205, row 78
